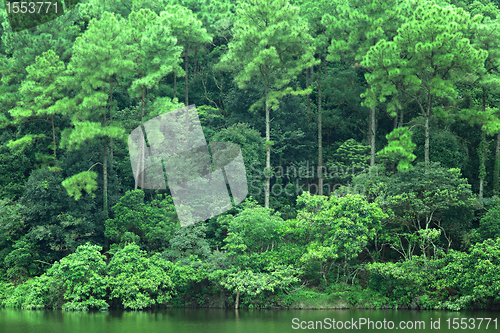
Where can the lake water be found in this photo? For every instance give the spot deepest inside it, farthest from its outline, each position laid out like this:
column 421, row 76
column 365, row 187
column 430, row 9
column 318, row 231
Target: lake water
column 243, row 321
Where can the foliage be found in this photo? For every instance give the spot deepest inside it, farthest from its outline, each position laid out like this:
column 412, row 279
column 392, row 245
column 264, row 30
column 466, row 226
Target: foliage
column 137, row 280
column 290, row 82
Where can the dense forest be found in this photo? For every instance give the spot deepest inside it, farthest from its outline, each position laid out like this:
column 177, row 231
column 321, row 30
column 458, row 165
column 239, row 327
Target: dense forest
column 369, row 130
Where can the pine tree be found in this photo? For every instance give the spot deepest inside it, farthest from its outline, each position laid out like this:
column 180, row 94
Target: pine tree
column 271, row 45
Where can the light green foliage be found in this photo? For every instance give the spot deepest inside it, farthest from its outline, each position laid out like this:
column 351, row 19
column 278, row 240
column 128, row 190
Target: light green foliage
column 20, row 50
column 153, row 50
column 188, row 31
column 336, row 228
column 139, row 281
column 218, row 17
column 254, row 230
column 355, row 26
column 83, row 181
column 99, row 64
column 150, row 224
column 71, row 91
column 43, row 95
column 83, row 276
column 249, row 283
column 473, row 275
column 99, row 60
column 423, row 60
column 270, row 44
column 405, row 281
column 400, row 148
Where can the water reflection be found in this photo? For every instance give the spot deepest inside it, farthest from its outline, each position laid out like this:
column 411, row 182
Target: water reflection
column 215, row 320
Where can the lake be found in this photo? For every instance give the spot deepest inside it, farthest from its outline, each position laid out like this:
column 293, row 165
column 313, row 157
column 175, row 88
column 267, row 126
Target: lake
column 242, row 321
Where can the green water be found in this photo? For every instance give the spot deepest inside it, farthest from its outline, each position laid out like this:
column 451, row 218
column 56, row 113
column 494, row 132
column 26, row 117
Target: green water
column 242, row 321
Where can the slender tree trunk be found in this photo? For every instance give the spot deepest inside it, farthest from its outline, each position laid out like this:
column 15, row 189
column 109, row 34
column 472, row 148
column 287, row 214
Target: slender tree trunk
column 320, row 135
column 140, row 160
column 105, row 176
column 401, row 112
column 326, row 72
column 395, row 125
column 496, row 171
column 186, row 78
column 482, row 172
column 268, row 149
column 175, row 85
column 308, row 96
column 427, row 138
column 143, row 150
column 111, row 122
column 237, row 303
column 54, row 136
column 372, row 137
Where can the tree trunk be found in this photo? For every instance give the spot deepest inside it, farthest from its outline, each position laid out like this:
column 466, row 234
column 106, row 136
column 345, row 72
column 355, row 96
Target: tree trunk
column 483, row 153
column 237, row 303
column 268, row 149
column 326, row 72
column 111, row 122
column 140, row 160
column 401, row 111
column 186, row 78
column 320, row 135
column 372, row 137
column 308, row 96
column 105, row 177
column 427, row 137
column 496, row 172
column 54, row 137
column 175, row 85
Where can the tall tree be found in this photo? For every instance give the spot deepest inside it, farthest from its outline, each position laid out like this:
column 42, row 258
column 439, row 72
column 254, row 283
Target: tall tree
column 314, row 12
column 43, row 97
column 190, row 34
column 271, row 45
column 353, row 27
column 98, row 65
column 155, row 55
column 428, row 54
column 486, row 35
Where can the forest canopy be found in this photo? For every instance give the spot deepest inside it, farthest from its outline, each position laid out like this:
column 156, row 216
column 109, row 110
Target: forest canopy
column 369, row 131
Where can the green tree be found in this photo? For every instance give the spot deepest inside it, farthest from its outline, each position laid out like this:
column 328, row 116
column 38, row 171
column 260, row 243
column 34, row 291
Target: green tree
column 149, row 224
column 400, row 147
column 154, row 53
column 98, row 64
column 353, row 27
column 190, row 34
column 271, row 45
column 82, row 275
column 426, row 55
column 336, row 229
column 43, row 97
column 428, row 197
column 139, row 281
